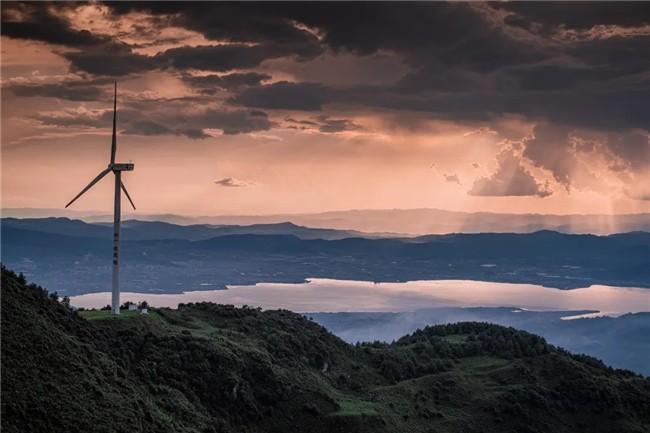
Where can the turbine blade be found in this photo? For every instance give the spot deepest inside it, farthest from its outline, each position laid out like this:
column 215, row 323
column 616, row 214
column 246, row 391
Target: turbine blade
column 92, row 182
column 114, row 141
column 127, row 194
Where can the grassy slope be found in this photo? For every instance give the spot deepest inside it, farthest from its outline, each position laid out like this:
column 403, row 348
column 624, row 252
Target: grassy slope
column 211, row 368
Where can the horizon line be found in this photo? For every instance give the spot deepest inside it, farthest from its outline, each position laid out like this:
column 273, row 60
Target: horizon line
column 154, row 213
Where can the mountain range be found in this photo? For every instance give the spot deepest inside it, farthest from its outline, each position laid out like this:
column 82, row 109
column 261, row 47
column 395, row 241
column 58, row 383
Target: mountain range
column 155, row 261
column 152, row 230
column 406, row 222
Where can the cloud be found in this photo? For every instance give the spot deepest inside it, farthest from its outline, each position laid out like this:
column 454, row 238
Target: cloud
column 120, row 59
column 231, row 56
column 567, row 68
column 35, row 21
column 452, row 178
column 329, row 125
column 149, row 127
column 643, row 196
column 549, row 149
column 448, row 47
column 209, row 84
column 323, row 123
column 111, row 60
column 573, row 15
column 567, row 152
column 230, row 182
column 632, row 147
column 76, row 92
column 284, row 95
column 102, row 54
column 510, row 179
column 156, row 118
column 254, row 22
column 98, row 54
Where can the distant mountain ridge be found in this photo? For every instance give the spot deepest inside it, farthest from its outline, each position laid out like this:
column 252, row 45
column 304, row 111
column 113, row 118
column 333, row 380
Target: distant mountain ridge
column 157, row 230
column 391, row 221
column 154, row 261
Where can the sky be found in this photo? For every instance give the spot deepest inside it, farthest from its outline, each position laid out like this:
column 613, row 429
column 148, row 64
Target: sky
column 262, row 108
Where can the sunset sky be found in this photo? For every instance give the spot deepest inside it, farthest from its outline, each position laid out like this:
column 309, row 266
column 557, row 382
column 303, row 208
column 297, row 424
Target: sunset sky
column 266, row 108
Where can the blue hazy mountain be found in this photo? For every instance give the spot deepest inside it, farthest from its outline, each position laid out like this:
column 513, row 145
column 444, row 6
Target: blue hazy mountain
column 150, row 230
column 48, row 250
column 405, row 221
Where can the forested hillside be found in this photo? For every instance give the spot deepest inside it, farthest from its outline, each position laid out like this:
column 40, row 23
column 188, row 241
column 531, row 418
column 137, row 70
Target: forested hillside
column 216, row 368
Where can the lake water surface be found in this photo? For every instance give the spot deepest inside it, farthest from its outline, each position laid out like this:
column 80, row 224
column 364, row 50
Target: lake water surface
column 325, row 295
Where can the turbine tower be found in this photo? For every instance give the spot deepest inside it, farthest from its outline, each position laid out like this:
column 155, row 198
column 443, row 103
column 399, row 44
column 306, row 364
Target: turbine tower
column 117, row 168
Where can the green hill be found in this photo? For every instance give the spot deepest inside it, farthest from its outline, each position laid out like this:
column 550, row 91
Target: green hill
column 216, row 368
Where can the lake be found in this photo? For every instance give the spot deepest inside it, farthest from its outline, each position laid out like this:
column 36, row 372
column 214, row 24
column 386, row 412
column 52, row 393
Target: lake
column 326, row 295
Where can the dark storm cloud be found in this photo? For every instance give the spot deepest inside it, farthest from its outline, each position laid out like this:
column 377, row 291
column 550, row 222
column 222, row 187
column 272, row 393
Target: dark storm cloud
column 152, row 119
column 215, row 58
column 112, row 60
column 285, row 95
column 423, row 33
column 34, row 21
column 233, row 122
column 208, row 83
column 235, row 22
column 86, row 90
column 510, row 179
column 94, row 53
column 550, row 149
column 329, row 125
column 596, row 107
column 448, row 46
column 576, row 15
column 193, row 125
column 103, row 55
column 556, row 148
column 464, row 64
column 87, row 118
column 121, row 60
column 324, row 124
column 147, row 127
column 633, row 147
column 232, row 56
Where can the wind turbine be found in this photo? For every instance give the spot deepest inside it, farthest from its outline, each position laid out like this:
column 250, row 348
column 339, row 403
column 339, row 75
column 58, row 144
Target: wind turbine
column 117, row 168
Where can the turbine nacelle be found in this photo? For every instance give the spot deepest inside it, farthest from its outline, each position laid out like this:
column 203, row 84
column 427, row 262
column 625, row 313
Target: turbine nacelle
column 121, row 166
